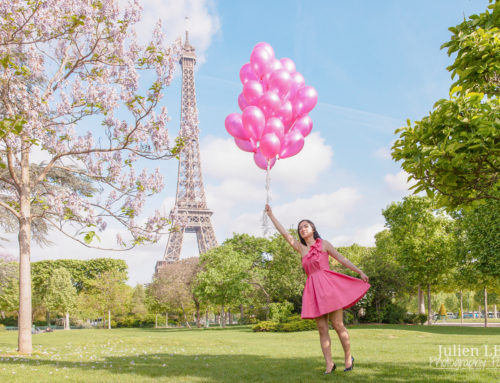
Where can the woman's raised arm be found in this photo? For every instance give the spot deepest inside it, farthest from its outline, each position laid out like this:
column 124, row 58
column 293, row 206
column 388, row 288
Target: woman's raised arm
column 289, row 238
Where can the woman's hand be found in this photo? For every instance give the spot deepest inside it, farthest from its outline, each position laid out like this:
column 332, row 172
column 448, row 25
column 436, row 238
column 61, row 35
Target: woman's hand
column 268, row 210
column 363, row 276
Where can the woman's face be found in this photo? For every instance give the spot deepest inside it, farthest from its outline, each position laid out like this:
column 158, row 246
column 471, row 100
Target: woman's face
column 305, row 229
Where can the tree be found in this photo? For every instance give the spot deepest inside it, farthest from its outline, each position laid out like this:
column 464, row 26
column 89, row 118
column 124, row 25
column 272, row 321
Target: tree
column 223, row 277
column 110, row 294
column 138, row 302
column 174, row 282
column 63, row 64
column 454, row 152
column 387, row 277
column 9, row 284
column 479, row 246
column 61, row 294
column 425, row 240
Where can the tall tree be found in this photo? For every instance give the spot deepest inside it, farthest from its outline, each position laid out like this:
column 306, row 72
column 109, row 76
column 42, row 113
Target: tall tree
column 479, row 248
column 223, row 277
column 110, row 294
column 174, row 283
column 9, row 284
column 62, row 64
column 425, row 240
column 454, row 152
column 61, row 294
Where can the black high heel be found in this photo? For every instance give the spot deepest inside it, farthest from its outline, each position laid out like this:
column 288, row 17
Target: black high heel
column 333, row 369
column 352, row 365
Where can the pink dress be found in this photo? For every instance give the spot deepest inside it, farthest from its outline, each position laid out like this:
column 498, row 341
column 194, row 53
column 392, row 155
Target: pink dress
column 326, row 290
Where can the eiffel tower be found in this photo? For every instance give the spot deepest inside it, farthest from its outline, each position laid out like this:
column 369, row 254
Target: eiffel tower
column 193, row 215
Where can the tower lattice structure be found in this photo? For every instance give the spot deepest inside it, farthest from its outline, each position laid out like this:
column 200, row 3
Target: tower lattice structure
column 191, row 212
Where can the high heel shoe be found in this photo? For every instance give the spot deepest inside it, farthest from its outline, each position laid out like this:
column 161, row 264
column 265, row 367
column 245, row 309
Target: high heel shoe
column 352, row 365
column 333, row 369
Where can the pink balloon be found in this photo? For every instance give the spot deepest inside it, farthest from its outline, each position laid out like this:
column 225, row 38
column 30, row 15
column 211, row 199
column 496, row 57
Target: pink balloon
column 266, row 46
column 274, row 125
column 276, row 65
column 261, row 161
column 246, row 145
column 303, row 125
column 270, row 145
column 285, row 113
column 242, row 103
column 297, row 83
column 280, row 81
column 288, row 65
column 269, row 103
column 292, row 144
column 261, row 60
column 252, row 91
column 247, row 73
column 234, row 126
column 306, row 99
column 253, row 122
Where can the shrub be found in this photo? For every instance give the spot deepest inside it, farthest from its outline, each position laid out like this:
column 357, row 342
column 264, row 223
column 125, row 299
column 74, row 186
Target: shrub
column 394, row 314
column 280, row 311
column 294, row 323
column 268, row 325
column 2, row 327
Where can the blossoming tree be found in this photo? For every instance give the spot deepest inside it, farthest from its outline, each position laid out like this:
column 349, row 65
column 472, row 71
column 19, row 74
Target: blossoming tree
column 70, row 88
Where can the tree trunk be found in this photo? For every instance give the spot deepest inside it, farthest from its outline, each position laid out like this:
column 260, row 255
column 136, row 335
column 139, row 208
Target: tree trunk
column 222, row 317
column 485, row 307
column 24, row 320
column 109, row 319
column 495, row 312
column 198, row 318
column 185, row 317
column 421, row 302
column 47, row 317
column 66, row 322
column 206, row 319
column 230, row 316
column 156, row 320
column 461, row 307
column 2, row 314
column 241, row 314
column 166, row 319
column 429, row 306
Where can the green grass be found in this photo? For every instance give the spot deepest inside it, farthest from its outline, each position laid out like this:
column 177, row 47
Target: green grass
column 383, row 354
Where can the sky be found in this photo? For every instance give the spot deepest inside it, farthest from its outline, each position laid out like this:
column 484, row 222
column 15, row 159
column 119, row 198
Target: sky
column 374, row 64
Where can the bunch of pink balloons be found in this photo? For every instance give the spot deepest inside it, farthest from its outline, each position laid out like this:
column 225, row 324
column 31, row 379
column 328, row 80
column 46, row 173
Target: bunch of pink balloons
column 275, row 103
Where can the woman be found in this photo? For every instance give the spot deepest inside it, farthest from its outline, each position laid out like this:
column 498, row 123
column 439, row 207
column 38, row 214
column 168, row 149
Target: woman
column 326, row 293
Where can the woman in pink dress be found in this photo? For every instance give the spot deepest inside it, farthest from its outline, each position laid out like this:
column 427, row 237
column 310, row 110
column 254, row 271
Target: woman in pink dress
column 326, row 293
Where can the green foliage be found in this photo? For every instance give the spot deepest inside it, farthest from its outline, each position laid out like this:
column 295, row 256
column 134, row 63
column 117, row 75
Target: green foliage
column 61, row 294
column 479, row 244
column 281, row 311
column 423, row 239
column 2, row 327
column 223, row 278
column 294, row 324
column 9, row 286
column 454, row 152
column 389, row 313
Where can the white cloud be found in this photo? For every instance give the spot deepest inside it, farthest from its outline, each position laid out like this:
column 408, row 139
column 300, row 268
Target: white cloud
column 203, row 23
column 364, row 236
column 327, row 211
column 399, row 181
column 383, row 153
column 223, row 160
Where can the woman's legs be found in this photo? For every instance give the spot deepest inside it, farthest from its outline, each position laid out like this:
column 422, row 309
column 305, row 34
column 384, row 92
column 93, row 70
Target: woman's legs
column 324, row 339
column 336, row 317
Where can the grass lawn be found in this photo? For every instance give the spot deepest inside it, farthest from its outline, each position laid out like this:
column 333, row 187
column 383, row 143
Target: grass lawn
column 383, row 354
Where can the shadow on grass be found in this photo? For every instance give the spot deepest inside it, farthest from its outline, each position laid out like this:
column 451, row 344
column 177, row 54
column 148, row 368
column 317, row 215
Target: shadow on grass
column 448, row 330
column 254, row 368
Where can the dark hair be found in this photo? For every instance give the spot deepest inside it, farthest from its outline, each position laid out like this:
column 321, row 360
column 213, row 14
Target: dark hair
column 315, row 232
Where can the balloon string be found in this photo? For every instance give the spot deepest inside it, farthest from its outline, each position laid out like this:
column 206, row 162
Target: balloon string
column 265, row 221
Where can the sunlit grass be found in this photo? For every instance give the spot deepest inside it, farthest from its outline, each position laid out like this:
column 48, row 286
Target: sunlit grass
column 383, row 354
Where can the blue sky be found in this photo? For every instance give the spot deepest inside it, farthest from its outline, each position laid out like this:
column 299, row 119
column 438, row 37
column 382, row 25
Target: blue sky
column 374, row 65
